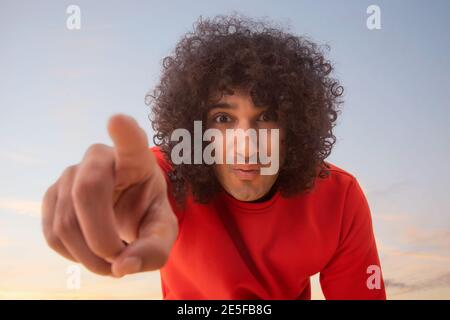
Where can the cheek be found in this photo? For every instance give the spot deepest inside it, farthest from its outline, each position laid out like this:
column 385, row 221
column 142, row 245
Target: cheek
column 222, row 173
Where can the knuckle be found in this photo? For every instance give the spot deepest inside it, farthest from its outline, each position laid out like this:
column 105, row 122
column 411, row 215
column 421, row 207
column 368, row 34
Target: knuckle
column 100, row 249
column 84, row 185
column 95, row 148
column 69, row 171
column 98, row 152
column 49, row 193
column 52, row 240
column 65, row 224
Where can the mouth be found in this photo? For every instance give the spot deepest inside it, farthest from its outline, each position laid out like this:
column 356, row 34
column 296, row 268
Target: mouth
column 246, row 173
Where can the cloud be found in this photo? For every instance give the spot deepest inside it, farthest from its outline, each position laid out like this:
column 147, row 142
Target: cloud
column 442, row 280
column 414, row 258
column 390, row 217
column 20, row 206
column 436, row 238
column 389, row 283
column 419, row 255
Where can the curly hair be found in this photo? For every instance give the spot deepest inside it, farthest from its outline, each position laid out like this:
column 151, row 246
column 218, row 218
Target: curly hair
column 286, row 72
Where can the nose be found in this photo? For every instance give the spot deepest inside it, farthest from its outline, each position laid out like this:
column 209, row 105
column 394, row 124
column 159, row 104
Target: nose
column 245, row 142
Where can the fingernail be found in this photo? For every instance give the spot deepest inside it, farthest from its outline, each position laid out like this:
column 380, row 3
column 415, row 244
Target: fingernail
column 130, row 265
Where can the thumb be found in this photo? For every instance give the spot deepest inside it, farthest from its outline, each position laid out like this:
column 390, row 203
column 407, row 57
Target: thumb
column 150, row 251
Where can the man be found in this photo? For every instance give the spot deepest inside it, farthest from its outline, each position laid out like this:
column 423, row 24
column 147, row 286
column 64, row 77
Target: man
column 225, row 230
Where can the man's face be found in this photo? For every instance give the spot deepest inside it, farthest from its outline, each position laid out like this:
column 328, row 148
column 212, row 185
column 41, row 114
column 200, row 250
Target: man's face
column 245, row 181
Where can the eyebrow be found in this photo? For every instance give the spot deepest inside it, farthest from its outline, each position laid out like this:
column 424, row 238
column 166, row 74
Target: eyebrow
column 223, row 105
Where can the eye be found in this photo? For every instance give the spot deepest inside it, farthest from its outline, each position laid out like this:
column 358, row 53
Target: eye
column 222, row 118
column 268, row 116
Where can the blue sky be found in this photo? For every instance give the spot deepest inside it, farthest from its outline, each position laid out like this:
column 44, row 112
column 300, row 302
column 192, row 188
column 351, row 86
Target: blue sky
column 58, row 88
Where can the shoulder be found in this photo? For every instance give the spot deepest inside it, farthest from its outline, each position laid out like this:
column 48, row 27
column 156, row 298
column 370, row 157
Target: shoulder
column 339, row 180
column 339, row 172
column 344, row 188
column 340, row 191
column 347, row 178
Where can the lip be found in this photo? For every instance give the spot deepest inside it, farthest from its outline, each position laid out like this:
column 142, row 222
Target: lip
column 246, row 172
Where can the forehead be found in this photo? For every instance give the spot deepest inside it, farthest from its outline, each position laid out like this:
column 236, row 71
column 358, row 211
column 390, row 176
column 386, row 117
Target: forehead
column 239, row 99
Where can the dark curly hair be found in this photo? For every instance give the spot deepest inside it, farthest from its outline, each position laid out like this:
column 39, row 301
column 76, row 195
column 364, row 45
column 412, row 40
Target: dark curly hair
column 286, row 72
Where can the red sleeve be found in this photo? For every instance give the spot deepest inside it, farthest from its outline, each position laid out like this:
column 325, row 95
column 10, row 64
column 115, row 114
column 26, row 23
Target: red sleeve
column 354, row 271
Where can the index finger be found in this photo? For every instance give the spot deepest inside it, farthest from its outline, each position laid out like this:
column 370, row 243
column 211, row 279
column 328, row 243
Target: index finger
column 134, row 163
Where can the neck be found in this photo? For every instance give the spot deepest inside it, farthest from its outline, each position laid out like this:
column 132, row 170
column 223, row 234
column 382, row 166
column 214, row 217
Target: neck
column 268, row 195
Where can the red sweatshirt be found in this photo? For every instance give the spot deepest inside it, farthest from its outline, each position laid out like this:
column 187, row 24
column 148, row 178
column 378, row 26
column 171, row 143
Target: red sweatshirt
column 230, row 249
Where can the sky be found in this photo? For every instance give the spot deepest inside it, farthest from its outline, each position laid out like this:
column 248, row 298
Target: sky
column 58, row 87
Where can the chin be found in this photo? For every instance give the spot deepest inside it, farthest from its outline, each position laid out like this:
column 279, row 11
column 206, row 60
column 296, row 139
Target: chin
column 245, row 193
column 241, row 197
column 244, row 189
